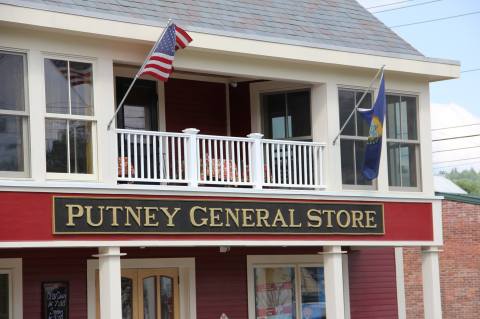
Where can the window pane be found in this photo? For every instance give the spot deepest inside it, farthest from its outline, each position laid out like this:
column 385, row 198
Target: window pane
column 11, row 143
column 137, row 117
column 360, row 158
column 275, row 293
column 56, row 86
column 127, row 298
column 56, row 144
column 313, row 293
column 4, row 297
column 166, row 297
column 274, row 110
column 346, row 100
column 12, row 90
column 402, row 164
column 80, row 133
column 410, row 127
column 149, row 298
column 362, row 126
column 299, row 122
column 81, row 90
column 348, row 170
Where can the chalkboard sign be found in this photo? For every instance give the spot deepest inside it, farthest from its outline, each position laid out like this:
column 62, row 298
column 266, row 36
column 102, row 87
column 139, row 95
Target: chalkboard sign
column 55, row 300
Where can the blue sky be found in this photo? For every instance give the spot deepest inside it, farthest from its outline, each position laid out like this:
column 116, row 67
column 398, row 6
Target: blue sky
column 457, row 39
column 453, row 102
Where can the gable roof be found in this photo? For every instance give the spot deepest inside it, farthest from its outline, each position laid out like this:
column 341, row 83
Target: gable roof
column 330, row 24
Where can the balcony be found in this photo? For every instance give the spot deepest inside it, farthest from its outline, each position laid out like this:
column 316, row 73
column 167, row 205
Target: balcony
column 193, row 160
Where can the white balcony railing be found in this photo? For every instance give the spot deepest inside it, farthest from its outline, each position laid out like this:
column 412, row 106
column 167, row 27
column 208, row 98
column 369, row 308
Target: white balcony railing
column 193, row 159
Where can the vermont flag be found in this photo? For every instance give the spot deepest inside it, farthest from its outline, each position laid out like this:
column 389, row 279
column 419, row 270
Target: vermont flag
column 374, row 117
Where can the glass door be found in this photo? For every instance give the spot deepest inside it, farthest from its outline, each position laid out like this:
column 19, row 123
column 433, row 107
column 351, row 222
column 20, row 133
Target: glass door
column 148, row 294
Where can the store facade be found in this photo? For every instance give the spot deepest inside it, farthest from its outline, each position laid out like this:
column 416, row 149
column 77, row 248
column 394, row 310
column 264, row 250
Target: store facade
column 219, row 193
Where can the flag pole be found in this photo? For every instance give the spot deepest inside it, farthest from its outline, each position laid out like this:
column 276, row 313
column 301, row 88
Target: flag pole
column 120, row 105
column 358, row 104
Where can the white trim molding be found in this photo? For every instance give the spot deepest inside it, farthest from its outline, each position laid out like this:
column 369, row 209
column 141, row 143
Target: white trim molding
column 400, row 281
column 186, row 271
column 13, row 267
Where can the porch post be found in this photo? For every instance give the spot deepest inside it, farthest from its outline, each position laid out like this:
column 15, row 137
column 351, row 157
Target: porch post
column 334, row 295
column 431, row 283
column 256, row 166
column 192, row 156
column 110, row 282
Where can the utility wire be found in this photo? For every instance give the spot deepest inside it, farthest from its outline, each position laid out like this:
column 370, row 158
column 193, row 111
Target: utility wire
column 456, row 149
column 389, row 4
column 454, row 138
column 457, row 126
column 471, row 70
column 409, row 6
column 458, row 165
column 457, row 160
column 439, row 19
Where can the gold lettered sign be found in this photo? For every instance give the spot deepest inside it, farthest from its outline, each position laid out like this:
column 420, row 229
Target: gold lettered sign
column 95, row 215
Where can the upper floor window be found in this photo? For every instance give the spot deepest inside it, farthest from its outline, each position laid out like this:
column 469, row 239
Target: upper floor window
column 354, row 137
column 13, row 115
column 69, row 122
column 286, row 115
column 403, row 144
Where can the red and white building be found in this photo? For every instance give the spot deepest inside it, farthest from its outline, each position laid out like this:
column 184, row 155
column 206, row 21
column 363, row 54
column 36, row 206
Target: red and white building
column 220, row 191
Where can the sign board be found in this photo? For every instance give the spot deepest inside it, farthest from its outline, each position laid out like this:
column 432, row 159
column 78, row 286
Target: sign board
column 117, row 215
column 55, row 300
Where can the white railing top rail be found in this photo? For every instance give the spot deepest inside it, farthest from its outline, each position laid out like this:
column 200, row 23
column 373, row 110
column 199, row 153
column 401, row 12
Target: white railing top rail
column 290, row 142
column 224, row 138
column 155, row 133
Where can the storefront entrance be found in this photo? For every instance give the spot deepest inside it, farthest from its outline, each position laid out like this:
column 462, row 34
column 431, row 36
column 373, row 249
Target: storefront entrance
column 148, row 294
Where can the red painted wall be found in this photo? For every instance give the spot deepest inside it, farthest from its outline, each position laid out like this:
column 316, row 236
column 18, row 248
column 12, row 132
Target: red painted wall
column 195, row 104
column 373, row 288
column 28, row 217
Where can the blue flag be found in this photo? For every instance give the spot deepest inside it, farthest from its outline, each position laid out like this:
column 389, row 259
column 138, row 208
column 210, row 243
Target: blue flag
column 374, row 117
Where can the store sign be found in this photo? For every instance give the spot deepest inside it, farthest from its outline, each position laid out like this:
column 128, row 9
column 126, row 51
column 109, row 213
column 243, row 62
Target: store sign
column 95, row 215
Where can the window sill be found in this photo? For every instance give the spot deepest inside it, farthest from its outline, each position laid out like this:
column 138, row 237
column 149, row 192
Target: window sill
column 71, row 177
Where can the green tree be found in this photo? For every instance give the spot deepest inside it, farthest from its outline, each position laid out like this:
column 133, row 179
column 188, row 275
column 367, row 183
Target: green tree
column 469, row 180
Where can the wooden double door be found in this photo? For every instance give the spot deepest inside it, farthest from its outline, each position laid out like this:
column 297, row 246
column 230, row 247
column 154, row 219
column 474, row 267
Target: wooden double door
column 148, row 294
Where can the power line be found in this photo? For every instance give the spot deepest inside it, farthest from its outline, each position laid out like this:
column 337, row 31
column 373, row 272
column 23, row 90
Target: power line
column 456, row 149
column 471, row 70
column 409, row 6
column 457, row 126
column 457, row 160
column 389, row 4
column 438, row 19
column 457, row 165
column 454, row 138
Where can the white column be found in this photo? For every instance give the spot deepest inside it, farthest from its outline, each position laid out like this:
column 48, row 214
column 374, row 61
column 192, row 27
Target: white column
column 256, row 168
column 431, row 283
column 192, row 156
column 332, row 262
column 110, row 282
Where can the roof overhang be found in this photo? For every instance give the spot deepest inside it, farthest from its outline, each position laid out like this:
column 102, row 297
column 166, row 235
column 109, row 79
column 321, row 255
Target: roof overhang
column 206, row 40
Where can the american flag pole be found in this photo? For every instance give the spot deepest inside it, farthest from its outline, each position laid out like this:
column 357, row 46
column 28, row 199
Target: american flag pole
column 120, row 105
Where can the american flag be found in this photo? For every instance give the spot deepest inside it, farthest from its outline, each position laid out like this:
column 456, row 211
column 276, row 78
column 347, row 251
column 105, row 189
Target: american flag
column 159, row 64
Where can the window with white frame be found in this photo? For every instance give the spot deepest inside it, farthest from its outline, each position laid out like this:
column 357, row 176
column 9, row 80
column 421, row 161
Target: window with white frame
column 403, row 145
column 354, row 136
column 13, row 115
column 69, row 123
column 287, row 290
column 286, row 115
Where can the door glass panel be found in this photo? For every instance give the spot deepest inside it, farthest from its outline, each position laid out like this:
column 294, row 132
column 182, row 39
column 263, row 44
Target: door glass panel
column 127, row 298
column 4, row 298
column 275, row 293
column 149, row 298
column 313, row 293
column 166, row 297
column 275, row 109
column 298, row 120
